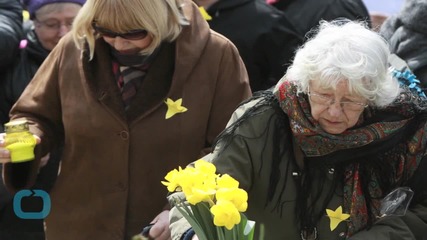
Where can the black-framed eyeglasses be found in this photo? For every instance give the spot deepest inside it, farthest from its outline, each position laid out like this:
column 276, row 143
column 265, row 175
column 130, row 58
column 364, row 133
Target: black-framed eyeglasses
column 328, row 101
column 131, row 35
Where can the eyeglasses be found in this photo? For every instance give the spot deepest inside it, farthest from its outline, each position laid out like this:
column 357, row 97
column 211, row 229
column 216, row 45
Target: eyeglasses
column 327, row 101
column 131, row 35
column 54, row 25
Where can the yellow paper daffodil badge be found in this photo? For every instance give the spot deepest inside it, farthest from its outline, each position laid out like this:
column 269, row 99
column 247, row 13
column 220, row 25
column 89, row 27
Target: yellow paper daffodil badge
column 336, row 217
column 205, row 14
column 174, row 107
column 25, row 15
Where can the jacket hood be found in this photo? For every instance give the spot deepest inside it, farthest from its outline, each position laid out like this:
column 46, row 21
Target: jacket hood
column 414, row 14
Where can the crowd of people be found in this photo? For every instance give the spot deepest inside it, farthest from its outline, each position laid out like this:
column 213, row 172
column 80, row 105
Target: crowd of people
column 306, row 109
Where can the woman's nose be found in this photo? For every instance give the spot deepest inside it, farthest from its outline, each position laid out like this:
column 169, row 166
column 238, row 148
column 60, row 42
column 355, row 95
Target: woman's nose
column 335, row 109
column 63, row 29
column 119, row 43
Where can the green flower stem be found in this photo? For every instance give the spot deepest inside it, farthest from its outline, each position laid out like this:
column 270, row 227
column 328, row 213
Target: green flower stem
column 185, row 210
column 220, row 233
column 204, row 217
column 211, row 202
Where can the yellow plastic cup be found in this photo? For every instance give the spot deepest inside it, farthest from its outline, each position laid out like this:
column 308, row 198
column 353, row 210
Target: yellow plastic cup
column 19, row 141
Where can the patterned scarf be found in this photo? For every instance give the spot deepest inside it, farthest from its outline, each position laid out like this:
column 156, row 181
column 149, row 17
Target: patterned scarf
column 393, row 137
column 130, row 71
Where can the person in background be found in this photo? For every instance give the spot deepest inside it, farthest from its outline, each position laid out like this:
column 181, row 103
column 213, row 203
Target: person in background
column 335, row 149
column 377, row 19
column 406, row 33
column 49, row 21
column 10, row 32
column 136, row 88
column 263, row 35
column 10, row 35
column 306, row 14
column 380, row 10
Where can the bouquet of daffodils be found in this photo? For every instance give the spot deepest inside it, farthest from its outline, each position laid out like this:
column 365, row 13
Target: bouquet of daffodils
column 214, row 203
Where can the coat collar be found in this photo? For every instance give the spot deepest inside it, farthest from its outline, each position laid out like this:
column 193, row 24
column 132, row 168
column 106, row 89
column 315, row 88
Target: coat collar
column 191, row 42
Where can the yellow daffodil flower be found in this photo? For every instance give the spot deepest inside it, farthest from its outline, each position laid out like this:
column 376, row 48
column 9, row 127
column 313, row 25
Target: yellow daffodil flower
column 225, row 214
column 198, row 185
column 205, row 167
column 173, row 180
column 202, row 194
column 238, row 197
column 226, row 201
column 226, row 181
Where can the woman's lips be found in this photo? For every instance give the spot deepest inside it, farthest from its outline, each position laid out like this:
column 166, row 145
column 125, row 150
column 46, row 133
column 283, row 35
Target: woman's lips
column 132, row 51
column 128, row 52
column 332, row 122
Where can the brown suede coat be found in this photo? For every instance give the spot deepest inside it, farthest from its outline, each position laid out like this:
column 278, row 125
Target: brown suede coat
column 109, row 185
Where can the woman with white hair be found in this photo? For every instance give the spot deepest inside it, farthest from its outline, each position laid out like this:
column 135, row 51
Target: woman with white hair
column 319, row 155
column 136, row 88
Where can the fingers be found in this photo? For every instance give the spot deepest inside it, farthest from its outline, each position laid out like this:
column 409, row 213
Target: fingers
column 160, row 229
column 2, row 139
column 4, row 160
column 44, row 160
column 38, row 140
column 4, row 155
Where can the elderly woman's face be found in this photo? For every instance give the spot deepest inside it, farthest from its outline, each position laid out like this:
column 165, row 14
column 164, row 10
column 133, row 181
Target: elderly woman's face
column 335, row 110
column 51, row 26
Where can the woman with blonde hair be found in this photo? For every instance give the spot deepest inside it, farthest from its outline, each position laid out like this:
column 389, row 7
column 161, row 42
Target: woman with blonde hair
column 148, row 86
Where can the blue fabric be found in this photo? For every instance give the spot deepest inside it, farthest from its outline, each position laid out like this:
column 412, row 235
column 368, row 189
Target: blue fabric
column 408, row 78
column 188, row 234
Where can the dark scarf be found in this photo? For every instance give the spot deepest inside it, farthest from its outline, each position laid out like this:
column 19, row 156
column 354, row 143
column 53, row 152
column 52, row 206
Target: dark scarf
column 379, row 154
column 133, row 60
column 132, row 69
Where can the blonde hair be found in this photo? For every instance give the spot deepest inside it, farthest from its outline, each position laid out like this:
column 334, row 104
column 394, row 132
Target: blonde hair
column 162, row 19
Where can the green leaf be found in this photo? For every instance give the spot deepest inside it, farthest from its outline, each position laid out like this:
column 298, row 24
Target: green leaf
column 203, row 214
column 186, row 212
column 261, row 232
column 229, row 234
column 245, row 229
column 220, row 233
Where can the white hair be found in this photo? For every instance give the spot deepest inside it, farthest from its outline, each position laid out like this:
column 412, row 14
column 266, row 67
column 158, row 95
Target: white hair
column 346, row 50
